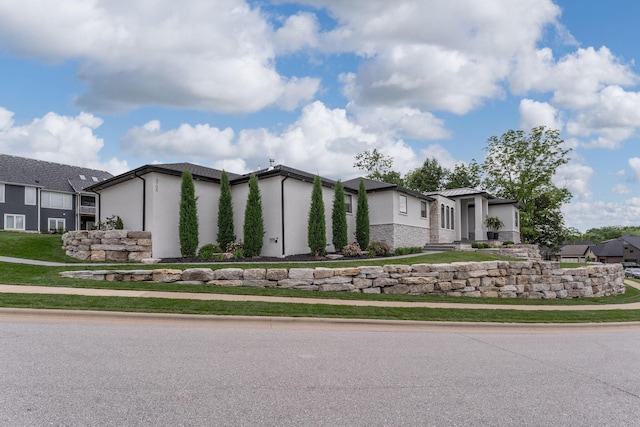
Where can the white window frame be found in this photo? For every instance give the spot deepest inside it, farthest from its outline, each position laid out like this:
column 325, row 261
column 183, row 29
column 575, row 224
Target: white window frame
column 57, row 221
column 15, row 217
column 30, row 196
column 348, row 202
column 1, row 193
column 424, row 209
column 67, row 200
column 402, row 198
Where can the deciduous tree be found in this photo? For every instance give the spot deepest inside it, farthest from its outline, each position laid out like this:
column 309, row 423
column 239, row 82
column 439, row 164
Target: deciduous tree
column 428, row 177
column 463, row 176
column 378, row 167
column 521, row 166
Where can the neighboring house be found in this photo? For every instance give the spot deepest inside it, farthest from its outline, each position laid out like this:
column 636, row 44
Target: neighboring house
column 576, row 253
column 623, row 249
column 41, row 196
column 148, row 199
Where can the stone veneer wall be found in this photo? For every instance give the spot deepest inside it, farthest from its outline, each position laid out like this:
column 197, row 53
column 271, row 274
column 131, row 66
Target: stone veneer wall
column 500, row 279
column 110, row 245
column 399, row 236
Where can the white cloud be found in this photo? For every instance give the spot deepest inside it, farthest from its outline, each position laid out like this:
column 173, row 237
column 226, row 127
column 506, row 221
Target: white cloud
column 533, row 114
column 620, row 189
column 593, row 214
column 203, row 55
column 321, row 140
column 575, row 177
column 441, row 55
column 444, row 157
column 400, row 122
column 187, row 142
column 299, row 31
column 56, row 138
column 634, row 163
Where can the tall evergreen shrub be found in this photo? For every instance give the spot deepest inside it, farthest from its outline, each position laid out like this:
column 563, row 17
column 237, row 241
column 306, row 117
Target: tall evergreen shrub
column 339, row 219
column 317, row 230
column 362, row 217
column 225, row 214
column 253, row 220
column 188, row 227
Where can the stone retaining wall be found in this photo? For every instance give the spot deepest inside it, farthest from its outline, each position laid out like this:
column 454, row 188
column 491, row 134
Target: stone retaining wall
column 110, row 245
column 499, row 279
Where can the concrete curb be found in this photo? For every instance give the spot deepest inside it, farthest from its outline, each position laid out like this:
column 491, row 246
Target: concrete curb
column 215, row 321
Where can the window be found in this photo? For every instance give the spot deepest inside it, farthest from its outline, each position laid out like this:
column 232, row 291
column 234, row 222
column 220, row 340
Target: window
column 56, row 224
column 403, row 204
column 1, row 193
column 448, row 219
column 423, row 209
column 452, row 220
column 56, row 200
column 29, row 195
column 94, row 179
column 442, row 216
column 82, row 177
column 13, row 222
column 517, row 218
column 348, row 203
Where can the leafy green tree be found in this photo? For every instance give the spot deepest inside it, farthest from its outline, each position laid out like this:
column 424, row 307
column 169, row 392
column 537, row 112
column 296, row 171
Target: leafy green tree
column 188, row 227
column 429, row 177
column 317, row 230
column 362, row 217
column 378, row 167
column 253, row 220
column 463, row 176
column 601, row 234
column 521, row 166
column 226, row 233
column 339, row 218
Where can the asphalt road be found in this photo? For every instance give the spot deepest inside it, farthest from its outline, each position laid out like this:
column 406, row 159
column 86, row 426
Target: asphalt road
column 77, row 372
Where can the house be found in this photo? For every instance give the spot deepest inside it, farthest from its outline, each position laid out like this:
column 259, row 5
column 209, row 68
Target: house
column 622, row 249
column 147, row 198
column 462, row 212
column 41, row 196
column 577, row 253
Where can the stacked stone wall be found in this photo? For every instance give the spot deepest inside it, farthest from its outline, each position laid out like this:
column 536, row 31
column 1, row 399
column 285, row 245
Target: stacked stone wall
column 498, row 279
column 110, row 245
column 399, row 235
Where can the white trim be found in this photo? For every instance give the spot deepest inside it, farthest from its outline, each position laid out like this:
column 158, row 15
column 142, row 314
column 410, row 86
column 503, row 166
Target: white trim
column 423, row 203
column 15, row 217
column 66, row 200
column 402, row 197
column 2, row 193
column 30, row 201
column 64, row 224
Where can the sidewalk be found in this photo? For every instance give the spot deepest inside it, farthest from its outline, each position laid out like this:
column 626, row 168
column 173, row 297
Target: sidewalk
column 52, row 290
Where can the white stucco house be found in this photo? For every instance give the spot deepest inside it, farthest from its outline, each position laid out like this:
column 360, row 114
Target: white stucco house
column 147, row 199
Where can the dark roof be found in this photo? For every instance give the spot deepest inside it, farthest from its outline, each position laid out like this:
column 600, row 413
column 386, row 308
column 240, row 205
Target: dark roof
column 198, row 172
column 632, row 239
column 373, row 186
column 574, row 250
column 281, row 170
column 609, row 248
column 48, row 175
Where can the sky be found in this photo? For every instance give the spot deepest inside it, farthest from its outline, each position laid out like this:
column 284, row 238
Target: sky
column 230, row 84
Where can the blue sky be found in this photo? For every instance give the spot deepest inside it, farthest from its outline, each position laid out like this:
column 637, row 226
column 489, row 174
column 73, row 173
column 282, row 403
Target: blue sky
column 229, row 84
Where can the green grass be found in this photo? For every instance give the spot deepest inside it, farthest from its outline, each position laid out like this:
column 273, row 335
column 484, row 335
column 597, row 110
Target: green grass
column 157, row 305
column 47, row 248
column 21, row 274
column 43, row 247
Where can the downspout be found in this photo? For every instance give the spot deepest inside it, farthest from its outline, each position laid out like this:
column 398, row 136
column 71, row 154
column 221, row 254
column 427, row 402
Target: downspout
column 282, row 210
column 144, row 201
